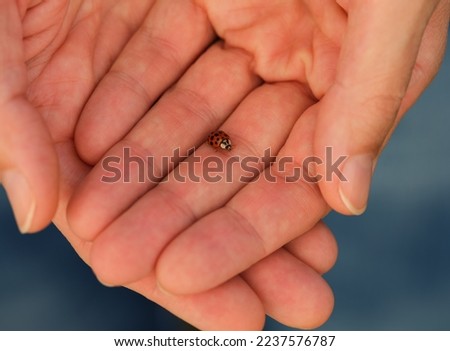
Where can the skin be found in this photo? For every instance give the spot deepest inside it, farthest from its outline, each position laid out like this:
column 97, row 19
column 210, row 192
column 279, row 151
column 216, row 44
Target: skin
column 52, row 58
column 342, row 101
column 321, row 71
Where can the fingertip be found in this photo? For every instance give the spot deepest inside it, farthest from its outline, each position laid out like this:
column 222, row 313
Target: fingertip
column 29, row 169
column 317, row 248
column 354, row 188
column 105, row 262
column 89, row 142
column 333, row 251
column 292, row 292
column 22, row 199
column 92, row 207
column 35, row 201
column 321, row 311
column 79, row 218
column 198, row 260
column 331, row 194
column 107, row 117
column 348, row 193
column 318, row 308
column 329, row 245
column 169, row 277
column 233, row 305
column 34, row 205
column 118, row 257
column 46, row 188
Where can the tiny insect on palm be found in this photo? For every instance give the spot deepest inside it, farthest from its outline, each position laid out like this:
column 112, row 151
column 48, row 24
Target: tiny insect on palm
column 219, row 140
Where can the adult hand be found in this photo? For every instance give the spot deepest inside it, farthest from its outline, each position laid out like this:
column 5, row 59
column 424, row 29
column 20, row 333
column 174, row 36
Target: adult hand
column 366, row 61
column 358, row 66
column 53, row 55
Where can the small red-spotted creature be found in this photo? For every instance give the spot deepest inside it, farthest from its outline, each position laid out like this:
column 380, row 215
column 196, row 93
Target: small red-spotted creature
column 219, row 139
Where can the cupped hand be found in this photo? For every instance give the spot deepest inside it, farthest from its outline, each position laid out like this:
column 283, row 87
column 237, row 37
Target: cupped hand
column 351, row 70
column 54, row 53
column 366, row 62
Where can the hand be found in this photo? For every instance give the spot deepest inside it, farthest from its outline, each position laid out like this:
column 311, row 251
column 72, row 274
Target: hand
column 358, row 69
column 366, row 63
column 126, row 250
column 47, row 72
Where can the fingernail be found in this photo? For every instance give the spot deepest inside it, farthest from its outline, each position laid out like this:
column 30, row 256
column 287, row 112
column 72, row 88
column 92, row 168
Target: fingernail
column 355, row 191
column 21, row 199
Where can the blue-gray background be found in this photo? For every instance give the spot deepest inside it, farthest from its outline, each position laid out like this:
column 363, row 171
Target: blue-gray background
column 393, row 271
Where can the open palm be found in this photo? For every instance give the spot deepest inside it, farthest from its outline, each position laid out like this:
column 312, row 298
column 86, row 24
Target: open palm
column 195, row 236
column 57, row 53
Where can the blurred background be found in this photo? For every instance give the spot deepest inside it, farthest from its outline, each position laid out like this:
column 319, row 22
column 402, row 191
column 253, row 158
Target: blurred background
column 393, row 271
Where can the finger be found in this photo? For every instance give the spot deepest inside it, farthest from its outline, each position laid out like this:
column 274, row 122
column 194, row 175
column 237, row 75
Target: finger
column 28, row 164
column 317, row 248
column 121, row 19
column 359, row 111
column 291, row 291
column 238, row 309
column 125, row 252
column 170, row 38
column 203, row 98
column 289, row 281
column 259, row 219
column 233, row 306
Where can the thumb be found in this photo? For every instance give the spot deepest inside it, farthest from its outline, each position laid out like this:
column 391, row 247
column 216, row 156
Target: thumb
column 360, row 110
column 28, row 162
